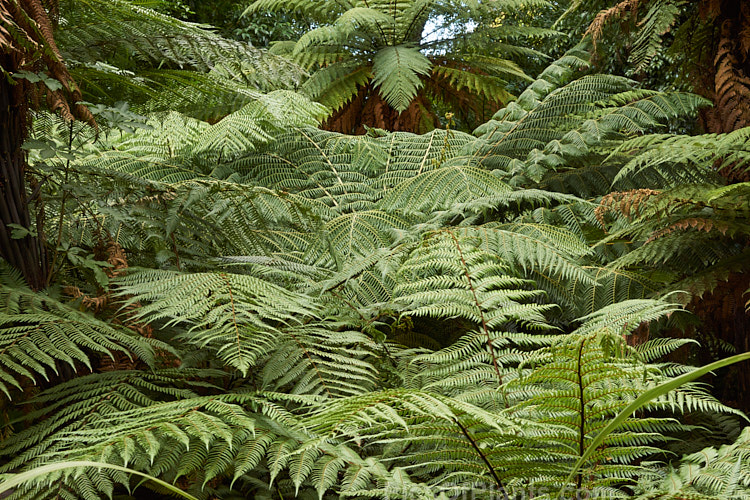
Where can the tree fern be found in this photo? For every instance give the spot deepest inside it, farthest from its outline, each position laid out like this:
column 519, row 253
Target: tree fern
column 373, row 67
column 464, row 444
column 175, row 145
column 573, row 120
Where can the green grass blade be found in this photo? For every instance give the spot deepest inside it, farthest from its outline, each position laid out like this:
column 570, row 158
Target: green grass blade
column 645, row 398
column 17, row 479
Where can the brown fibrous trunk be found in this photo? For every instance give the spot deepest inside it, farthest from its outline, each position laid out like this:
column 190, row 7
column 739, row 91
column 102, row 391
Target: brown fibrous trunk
column 27, row 254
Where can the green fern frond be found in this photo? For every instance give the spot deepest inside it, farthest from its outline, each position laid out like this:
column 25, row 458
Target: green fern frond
column 661, row 160
column 493, row 88
column 222, row 311
column 553, row 77
column 356, row 235
column 316, row 359
column 545, row 254
column 396, row 71
column 365, row 17
column 67, row 405
column 382, row 410
column 450, row 276
column 614, row 286
column 637, row 111
column 403, row 156
column 687, row 229
column 99, row 33
column 316, row 9
column 323, row 35
column 625, row 316
column 513, row 136
column 337, row 84
column 595, row 377
column 660, row 17
column 709, row 474
column 442, row 188
column 39, row 334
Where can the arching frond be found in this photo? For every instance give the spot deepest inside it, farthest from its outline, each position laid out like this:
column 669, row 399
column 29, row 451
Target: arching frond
column 336, row 85
column 443, row 187
column 95, row 30
column 39, row 334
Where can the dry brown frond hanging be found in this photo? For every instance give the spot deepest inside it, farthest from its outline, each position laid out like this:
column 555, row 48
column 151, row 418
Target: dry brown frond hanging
column 603, row 17
column 118, row 307
column 368, row 109
column 628, row 203
column 732, row 85
column 710, row 9
column 27, row 44
column 347, row 119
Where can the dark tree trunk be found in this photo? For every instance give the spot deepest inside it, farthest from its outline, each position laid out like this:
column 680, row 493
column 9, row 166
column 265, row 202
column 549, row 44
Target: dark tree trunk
column 25, row 254
column 726, row 81
column 723, row 317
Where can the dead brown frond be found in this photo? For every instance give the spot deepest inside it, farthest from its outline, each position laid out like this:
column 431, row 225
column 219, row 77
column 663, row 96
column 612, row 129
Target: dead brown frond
column 626, row 7
column 697, row 223
column 27, row 39
column 728, row 82
column 628, row 203
column 346, row 119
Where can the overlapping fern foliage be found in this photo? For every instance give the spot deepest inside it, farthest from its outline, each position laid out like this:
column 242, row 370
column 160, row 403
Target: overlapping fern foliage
column 698, row 46
column 162, row 63
column 259, row 308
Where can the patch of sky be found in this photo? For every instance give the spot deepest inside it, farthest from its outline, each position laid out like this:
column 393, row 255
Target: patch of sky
column 437, row 30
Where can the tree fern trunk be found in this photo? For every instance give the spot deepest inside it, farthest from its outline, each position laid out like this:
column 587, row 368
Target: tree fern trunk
column 369, row 109
column 723, row 317
column 26, row 254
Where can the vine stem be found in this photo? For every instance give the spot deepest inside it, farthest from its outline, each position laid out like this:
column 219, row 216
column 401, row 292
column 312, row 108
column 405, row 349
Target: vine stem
column 62, row 206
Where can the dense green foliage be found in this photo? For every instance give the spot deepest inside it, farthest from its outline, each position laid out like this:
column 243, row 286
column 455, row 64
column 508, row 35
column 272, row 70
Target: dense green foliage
column 243, row 305
column 386, row 64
